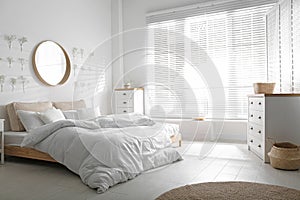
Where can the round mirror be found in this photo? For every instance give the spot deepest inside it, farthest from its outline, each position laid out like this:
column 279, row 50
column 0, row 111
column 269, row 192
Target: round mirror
column 51, row 63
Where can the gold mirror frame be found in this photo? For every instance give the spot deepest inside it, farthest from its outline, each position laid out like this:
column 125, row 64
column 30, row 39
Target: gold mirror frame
column 68, row 65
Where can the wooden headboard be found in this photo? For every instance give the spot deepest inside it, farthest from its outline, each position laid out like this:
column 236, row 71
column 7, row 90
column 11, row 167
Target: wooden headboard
column 61, row 105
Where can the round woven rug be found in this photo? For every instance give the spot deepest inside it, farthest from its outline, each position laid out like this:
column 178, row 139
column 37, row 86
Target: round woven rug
column 231, row 190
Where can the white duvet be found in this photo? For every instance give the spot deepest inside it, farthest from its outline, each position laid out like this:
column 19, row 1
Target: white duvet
column 104, row 157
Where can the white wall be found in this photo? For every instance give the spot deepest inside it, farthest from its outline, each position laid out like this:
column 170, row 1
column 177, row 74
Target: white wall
column 117, row 42
column 72, row 23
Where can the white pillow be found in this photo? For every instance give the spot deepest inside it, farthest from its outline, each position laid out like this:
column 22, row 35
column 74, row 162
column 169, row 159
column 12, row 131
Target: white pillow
column 51, row 115
column 86, row 113
column 29, row 119
column 71, row 114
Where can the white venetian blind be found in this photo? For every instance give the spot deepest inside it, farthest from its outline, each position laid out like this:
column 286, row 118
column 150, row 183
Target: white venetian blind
column 283, row 23
column 232, row 35
column 285, row 46
column 273, row 47
column 296, row 44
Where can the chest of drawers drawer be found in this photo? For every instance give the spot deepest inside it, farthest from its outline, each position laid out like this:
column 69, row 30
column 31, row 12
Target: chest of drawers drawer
column 255, row 130
column 256, row 117
column 256, row 104
column 255, row 145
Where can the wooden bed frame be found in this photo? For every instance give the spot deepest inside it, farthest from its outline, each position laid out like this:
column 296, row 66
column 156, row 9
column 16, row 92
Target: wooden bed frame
column 25, row 152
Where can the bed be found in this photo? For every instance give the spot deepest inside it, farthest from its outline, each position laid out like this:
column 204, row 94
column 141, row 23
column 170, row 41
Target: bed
column 103, row 151
column 14, row 139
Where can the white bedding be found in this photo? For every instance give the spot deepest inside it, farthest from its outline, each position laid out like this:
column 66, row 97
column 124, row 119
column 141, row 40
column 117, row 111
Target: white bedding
column 104, row 157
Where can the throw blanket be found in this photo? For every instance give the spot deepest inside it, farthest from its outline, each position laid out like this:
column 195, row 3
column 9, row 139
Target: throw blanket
column 104, row 157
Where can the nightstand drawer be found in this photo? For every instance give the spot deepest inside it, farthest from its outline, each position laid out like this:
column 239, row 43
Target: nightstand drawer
column 124, row 110
column 256, row 104
column 124, row 102
column 124, row 95
column 256, row 117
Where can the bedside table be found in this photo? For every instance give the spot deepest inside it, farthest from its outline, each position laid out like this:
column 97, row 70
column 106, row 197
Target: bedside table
column 129, row 100
column 2, row 140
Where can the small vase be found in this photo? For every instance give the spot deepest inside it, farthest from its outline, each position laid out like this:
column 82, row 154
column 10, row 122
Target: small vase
column 127, row 85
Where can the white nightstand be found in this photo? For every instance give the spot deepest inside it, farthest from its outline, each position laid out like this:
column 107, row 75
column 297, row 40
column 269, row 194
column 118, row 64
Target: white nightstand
column 129, row 100
column 2, row 140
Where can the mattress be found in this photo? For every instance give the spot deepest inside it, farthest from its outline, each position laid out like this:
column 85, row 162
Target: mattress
column 14, row 138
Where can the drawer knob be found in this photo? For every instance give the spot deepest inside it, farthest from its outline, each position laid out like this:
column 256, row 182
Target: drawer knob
column 251, row 115
column 124, row 111
column 251, row 141
column 124, row 102
column 251, row 102
column 259, row 117
column 259, row 146
column 259, row 103
column 251, row 128
column 124, row 93
column 259, row 132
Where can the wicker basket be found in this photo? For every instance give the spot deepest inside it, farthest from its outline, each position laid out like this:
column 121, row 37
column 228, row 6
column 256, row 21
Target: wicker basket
column 285, row 156
column 263, row 88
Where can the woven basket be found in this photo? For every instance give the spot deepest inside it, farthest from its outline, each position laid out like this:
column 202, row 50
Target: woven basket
column 285, row 156
column 263, row 88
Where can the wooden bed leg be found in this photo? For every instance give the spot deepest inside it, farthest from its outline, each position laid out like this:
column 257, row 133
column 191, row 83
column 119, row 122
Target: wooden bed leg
column 179, row 140
column 176, row 138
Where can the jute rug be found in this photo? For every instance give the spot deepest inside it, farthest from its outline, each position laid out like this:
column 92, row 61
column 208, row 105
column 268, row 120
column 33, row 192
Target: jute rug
column 231, row 190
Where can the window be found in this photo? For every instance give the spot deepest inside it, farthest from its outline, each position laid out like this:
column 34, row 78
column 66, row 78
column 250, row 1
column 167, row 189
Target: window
column 231, row 35
column 284, row 46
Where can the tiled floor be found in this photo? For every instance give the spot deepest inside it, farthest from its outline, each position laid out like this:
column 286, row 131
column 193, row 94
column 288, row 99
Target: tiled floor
column 35, row 180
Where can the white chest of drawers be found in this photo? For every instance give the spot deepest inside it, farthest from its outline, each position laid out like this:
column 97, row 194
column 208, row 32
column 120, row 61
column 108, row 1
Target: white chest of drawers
column 272, row 118
column 129, row 100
